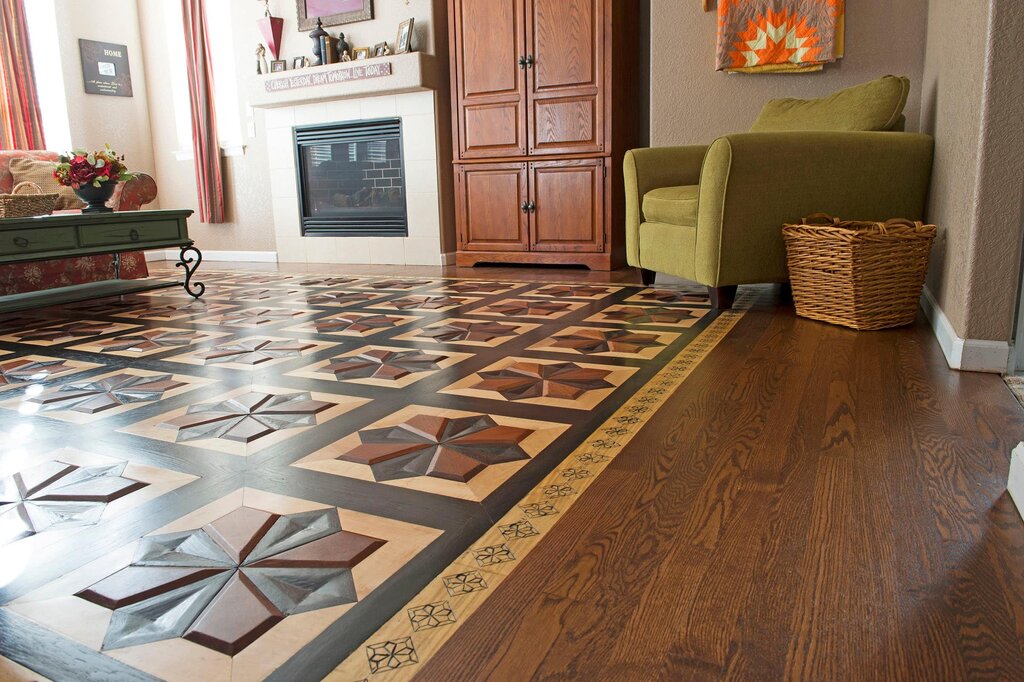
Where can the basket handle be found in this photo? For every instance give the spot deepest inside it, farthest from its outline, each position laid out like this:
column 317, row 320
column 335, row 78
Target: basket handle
column 28, row 184
column 819, row 219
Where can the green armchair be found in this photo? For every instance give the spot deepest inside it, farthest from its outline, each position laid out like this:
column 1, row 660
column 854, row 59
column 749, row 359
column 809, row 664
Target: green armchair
column 714, row 214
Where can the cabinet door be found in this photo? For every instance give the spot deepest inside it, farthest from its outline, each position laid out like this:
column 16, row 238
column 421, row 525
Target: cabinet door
column 566, row 40
column 491, row 84
column 569, row 210
column 489, row 213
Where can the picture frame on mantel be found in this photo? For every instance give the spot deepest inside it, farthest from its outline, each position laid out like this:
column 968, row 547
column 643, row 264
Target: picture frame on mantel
column 332, row 12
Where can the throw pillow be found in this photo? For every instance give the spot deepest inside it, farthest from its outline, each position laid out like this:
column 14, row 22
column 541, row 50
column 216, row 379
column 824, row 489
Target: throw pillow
column 41, row 173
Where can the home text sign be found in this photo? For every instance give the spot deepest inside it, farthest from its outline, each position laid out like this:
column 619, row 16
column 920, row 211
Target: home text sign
column 348, row 73
column 105, row 68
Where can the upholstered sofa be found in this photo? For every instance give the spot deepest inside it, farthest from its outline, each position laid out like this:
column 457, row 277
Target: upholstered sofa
column 22, row 277
column 714, row 213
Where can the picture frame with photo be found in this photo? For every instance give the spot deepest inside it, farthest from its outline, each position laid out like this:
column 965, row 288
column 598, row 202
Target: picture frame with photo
column 278, row 65
column 381, row 50
column 300, row 63
column 403, row 43
column 360, row 53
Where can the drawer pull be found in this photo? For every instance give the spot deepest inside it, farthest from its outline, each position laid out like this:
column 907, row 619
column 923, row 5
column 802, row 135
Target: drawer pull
column 20, row 241
column 133, row 234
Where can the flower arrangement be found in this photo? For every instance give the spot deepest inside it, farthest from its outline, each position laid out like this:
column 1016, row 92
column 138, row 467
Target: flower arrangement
column 79, row 168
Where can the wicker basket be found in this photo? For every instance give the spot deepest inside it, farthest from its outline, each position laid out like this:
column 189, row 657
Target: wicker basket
column 20, row 205
column 858, row 274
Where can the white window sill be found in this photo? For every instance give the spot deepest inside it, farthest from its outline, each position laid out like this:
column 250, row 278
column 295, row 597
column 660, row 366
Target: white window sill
column 225, row 150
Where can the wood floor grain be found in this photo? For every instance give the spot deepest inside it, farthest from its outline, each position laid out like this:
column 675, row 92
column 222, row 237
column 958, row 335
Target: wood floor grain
column 813, row 503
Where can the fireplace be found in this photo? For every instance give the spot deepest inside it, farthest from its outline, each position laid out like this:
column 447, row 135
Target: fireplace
column 351, row 179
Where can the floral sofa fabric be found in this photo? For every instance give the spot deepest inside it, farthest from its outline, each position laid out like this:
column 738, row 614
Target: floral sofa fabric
column 22, row 277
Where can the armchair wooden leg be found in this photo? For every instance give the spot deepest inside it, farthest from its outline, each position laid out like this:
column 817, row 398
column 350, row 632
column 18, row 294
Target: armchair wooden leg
column 722, row 298
column 647, row 276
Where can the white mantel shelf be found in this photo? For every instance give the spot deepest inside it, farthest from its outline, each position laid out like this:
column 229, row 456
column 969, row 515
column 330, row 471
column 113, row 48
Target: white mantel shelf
column 410, row 72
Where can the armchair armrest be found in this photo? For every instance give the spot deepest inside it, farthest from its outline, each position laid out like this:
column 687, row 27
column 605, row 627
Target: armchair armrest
column 753, row 183
column 134, row 194
column 651, row 168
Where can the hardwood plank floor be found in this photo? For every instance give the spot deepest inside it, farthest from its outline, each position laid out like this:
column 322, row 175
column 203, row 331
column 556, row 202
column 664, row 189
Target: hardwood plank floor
column 813, row 503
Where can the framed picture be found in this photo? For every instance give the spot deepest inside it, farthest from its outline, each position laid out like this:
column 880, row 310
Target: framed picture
column 105, row 69
column 381, row 50
column 299, row 63
column 404, row 41
column 332, row 12
column 360, row 53
column 278, row 65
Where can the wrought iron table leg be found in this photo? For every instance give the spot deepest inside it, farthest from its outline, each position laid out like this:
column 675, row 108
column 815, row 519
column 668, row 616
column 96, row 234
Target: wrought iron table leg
column 117, row 266
column 191, row 264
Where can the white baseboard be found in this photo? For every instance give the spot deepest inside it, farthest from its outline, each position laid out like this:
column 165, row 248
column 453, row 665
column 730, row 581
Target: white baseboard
column 969, row 355
column 1015, row 484
column 225, row 256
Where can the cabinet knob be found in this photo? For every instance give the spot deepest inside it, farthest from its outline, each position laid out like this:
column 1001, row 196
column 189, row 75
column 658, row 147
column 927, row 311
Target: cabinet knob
column 525, row 207
column 529, row 61
column 522, row 62
column 133, row 234
column 532, row 207
column 20, row 241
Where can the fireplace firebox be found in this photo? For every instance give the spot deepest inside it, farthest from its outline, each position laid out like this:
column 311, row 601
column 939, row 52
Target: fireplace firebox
column 351, row 179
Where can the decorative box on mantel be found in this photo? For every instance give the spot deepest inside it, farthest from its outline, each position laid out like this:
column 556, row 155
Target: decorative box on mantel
column 404, row 92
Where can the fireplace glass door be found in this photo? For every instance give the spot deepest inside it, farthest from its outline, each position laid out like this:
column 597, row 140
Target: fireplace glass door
column 351, row 179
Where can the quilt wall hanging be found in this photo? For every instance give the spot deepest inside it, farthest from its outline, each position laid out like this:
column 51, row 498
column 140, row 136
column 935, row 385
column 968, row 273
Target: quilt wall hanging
column 760, row 36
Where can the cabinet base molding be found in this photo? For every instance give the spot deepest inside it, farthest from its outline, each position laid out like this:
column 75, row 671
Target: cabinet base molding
column 594, row 261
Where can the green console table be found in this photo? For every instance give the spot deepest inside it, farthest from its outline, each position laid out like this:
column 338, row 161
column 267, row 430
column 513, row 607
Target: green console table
column 90, row 234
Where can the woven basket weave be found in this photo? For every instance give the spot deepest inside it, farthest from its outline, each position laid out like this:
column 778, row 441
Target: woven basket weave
column 862, row 275
column 20, row 205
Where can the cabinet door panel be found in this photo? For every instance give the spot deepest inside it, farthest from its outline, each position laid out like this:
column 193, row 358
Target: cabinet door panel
column 566, row 39
column 489, row 214
column 569, row 198
column 490, row 39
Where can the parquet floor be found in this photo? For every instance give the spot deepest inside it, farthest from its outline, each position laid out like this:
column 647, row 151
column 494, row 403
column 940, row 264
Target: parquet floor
column 765, row 498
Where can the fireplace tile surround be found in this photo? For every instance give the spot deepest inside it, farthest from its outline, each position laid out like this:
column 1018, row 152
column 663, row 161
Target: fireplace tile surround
column 418, row 113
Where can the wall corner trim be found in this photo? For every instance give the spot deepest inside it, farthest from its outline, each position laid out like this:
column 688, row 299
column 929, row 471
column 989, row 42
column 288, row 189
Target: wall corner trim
column 967, row 355
column 227, row 256
column 1015, row 483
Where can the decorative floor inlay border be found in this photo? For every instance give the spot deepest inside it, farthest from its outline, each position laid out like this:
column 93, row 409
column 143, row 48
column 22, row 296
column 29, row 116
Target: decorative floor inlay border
column 226, row 427
column 414, row 634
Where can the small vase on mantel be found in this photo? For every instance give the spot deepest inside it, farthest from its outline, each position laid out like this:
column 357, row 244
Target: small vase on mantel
column 96, row 198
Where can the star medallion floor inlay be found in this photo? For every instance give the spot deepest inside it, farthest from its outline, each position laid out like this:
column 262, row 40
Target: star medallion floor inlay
column 310, row 476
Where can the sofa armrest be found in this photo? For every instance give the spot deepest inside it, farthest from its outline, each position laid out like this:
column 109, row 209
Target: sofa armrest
column 134, row 194
column 651, row 168
column 754, row 183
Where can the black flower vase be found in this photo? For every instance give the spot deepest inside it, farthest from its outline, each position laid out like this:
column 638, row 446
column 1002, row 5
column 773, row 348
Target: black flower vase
column 96, row 198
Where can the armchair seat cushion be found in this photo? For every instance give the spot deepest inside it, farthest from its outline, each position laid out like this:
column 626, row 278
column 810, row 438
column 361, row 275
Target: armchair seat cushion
column 672, row 205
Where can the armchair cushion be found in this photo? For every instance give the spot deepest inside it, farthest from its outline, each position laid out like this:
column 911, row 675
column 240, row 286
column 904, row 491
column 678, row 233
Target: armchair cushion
column 874, row 106
column 672, row 205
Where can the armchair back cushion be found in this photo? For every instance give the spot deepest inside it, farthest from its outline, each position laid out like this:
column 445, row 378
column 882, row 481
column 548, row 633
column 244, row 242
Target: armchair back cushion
column 874, row 106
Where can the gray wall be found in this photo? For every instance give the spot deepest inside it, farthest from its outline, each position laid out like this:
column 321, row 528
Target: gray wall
column 693, row 103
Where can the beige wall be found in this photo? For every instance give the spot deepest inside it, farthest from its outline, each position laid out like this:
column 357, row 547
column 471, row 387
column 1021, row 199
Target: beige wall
column 973, row 103
column 247, row 179
column 692, row 103
column 95, row 120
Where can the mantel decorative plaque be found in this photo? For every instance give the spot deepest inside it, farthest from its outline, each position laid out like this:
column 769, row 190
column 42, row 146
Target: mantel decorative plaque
column 341, row 75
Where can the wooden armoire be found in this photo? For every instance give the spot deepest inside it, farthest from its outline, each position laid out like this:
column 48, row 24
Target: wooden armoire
column 545, row 102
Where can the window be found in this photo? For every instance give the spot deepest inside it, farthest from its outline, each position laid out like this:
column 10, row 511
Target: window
column 225, row 80
column 41, row 18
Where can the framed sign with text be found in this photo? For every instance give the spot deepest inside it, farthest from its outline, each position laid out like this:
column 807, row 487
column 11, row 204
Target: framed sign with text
column 105, row 69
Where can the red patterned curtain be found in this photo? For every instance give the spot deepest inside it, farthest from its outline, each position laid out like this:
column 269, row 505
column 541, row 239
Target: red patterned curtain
column 20, row 124
column 205, row 143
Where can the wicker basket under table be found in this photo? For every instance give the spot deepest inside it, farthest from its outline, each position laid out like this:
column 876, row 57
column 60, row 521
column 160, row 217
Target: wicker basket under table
column 865, row 275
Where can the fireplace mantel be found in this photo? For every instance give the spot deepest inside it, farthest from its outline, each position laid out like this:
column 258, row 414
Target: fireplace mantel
column 410, row 72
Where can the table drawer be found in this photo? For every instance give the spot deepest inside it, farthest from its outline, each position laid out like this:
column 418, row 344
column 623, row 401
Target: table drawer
column 37, row 240
column 129, row 233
